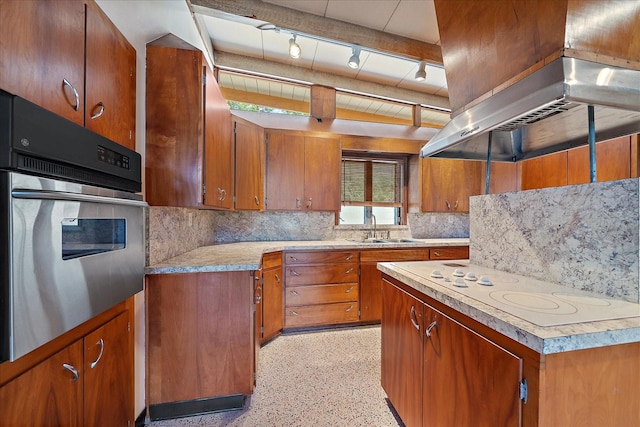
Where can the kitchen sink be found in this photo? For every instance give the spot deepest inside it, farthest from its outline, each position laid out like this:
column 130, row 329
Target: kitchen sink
column 378, row 241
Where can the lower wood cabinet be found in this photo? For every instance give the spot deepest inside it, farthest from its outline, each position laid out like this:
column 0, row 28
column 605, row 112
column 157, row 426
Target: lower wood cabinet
column 437, row 372
column 321, row 288
column 200, row 342
column 87, row 383
column 269, row 302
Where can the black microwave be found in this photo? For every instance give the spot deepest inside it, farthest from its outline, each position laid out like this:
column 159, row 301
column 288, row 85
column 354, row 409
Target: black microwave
column 36, row 141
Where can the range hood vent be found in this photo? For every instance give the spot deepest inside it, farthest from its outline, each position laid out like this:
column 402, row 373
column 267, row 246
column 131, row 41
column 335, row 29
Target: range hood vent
column 543, row 113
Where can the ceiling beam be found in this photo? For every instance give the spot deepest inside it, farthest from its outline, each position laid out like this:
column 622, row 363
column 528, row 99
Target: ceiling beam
column 275, row 69
column 308, row 23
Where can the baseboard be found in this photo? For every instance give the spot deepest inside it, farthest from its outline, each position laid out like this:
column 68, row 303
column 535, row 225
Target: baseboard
column 189, row 408
column 140, row 421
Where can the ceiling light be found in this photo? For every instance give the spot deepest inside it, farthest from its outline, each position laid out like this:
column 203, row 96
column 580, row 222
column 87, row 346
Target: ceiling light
column 354, row 61
column 294, row 48
column 421, row 74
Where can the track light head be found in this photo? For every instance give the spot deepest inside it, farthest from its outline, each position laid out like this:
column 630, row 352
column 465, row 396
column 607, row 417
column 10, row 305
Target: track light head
column 354, row 61
column 294, row 48
column 421, row 74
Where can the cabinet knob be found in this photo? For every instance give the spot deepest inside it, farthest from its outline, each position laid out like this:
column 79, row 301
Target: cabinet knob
column 68, row 84
column 95, row 362
column 100, row 111
column 71, row 369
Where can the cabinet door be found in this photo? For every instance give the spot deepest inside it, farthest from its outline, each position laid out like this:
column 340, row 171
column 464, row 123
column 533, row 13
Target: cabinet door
column 322, row 176
column 447, row 184
column 285, row 171
column 42, row 46
column 273, row 305
column 200, row 335
column 370, row 292
column 613, row 161
column 468, row 380
column 402, row 347
column 110, row 80
column 46, row 395
column 544, row 171
column 108, row 391
column 173, row 172
column 249, row 167
column 218, row 145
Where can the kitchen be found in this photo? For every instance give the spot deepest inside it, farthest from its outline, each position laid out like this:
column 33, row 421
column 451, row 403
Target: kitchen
column 183, row 220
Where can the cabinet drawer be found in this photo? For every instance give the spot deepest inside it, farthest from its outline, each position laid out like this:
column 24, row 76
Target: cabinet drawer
column 271, row 259
column 321, row 294
column 321, row 274
column 323, row 314
column 317, row 257
column 394, row 255
column 456, row 252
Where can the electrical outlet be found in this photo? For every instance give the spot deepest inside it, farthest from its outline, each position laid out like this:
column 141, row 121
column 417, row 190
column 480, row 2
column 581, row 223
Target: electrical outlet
column 450, row 218
column 190, row 219
column 433, row 219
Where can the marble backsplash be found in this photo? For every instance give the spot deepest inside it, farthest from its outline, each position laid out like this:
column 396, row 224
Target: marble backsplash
column 173, row 231
column 582, row 236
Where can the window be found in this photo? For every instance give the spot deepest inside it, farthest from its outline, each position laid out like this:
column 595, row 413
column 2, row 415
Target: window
column 372, row 186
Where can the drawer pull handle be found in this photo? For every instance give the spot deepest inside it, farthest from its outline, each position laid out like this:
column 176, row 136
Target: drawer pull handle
column 412, row 316
column 350, row 270
column 448, row 205
column 293, row 258
column 297, row 202
column 349, row 309
column 293, row 313
column 456, row 205
column 309, row 203
column 294, row 273
column 436, row 253
column 348, row 290
column 71, row 369
column 349, row 257
column 75, row 93
column 277, row 278
column 430, row 327
column 294, row 293
column 95, row 362
column 255, row 199
column 100, row 112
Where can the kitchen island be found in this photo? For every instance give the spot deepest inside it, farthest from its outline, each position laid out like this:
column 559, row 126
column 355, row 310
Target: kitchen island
column 210, row 308
column 487, row 339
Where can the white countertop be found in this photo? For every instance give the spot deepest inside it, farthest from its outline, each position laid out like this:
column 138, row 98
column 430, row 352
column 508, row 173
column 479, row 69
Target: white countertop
column 563, row 331
column 246, row 255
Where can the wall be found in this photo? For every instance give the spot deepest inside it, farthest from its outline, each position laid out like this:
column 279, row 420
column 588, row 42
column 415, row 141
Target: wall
column 582, row 236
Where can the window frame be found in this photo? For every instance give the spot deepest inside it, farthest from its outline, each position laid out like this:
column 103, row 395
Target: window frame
column 368, row 204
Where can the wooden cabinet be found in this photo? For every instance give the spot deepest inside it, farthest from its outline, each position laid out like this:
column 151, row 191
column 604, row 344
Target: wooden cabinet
column 271, row 320
column 88, row 382
column 371, row 277
column 613, row 161
column 303, row 172
column 200, row 342
column 447, row 184
column 438, row 372
column 249, row 166
column 544, row 171
column 43, row 59
column 181, row 111
column 321, row 288
column 110, row 80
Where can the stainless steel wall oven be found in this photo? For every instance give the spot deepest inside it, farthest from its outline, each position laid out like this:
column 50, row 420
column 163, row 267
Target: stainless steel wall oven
column 71, row 225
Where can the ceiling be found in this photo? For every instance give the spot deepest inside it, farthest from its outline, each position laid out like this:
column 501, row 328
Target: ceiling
column 395, row 36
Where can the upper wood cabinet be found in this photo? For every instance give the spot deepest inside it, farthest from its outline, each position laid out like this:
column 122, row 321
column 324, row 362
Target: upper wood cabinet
column 613, row 161
column 447, row 184
column 249, row 165
column 181, row 113
column 43, row 59
column 303, row 172
column 110, row 96
column 544, row 171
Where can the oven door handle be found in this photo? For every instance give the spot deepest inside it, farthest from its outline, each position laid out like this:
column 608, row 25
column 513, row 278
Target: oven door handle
column 73, row 197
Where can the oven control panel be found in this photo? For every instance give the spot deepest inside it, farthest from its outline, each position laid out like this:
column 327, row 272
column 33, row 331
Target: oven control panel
column 113, row 158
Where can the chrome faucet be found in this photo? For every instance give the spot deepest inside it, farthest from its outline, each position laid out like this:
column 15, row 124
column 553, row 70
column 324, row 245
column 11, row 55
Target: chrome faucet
column 375, row 234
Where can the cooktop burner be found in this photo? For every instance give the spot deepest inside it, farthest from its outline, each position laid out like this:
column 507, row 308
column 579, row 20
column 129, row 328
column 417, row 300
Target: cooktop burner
column 538, row 302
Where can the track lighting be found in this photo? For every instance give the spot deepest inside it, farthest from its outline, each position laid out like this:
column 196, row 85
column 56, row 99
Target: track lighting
column 354, row 61
column 421, row 74
column 294, row 48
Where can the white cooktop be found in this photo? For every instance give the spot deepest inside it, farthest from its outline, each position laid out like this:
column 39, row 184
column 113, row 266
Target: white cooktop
column 538, row 302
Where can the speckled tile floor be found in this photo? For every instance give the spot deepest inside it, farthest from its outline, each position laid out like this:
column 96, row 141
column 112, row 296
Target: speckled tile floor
column 328, row 378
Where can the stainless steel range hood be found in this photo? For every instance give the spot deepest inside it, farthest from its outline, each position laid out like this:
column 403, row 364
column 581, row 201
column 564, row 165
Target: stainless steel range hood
column 543, row 113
